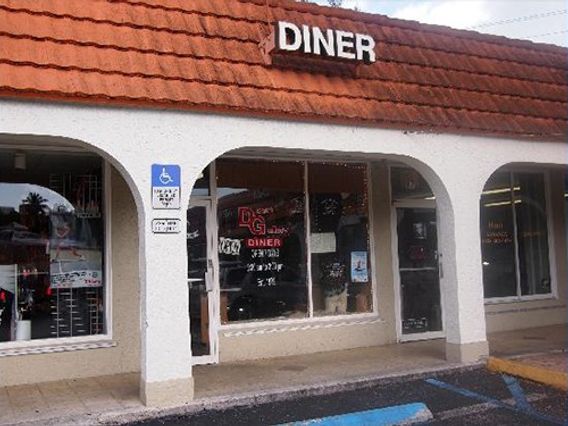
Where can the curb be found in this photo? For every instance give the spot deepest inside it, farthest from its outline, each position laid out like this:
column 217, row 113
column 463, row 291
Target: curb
column 220, row 403
column 545, row 376
column 273, row 395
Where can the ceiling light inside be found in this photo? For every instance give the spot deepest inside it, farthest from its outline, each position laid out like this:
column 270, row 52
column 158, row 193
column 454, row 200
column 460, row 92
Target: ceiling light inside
column 20, row 161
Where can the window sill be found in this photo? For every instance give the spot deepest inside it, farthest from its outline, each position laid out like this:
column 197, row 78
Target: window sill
column 47, row 347
column 287, row 325
column 524, row 299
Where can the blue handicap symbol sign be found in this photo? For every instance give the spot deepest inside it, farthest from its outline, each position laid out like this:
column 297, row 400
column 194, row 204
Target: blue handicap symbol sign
column 166, row 175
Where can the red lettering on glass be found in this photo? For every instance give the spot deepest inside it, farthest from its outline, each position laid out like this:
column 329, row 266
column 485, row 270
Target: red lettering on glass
column 263, row 242
column 251, row 220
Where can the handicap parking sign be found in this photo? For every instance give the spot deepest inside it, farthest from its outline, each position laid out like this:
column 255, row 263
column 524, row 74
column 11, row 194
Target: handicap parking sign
column 166, row 186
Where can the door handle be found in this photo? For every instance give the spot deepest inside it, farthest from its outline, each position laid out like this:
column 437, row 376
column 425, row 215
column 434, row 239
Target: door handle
column 209, row 276
column 209, row 281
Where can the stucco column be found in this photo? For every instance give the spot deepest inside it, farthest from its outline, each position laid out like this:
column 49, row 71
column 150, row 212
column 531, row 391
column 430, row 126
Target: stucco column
column 461, row 271
column 166, row 377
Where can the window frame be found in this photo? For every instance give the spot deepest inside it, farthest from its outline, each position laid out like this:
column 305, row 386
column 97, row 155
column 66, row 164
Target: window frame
column 519, row 297
column 95, row 341
column 310, row 318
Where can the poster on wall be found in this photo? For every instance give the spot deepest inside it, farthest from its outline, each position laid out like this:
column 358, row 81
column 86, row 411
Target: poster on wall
column 76, row 260
column 74, row 275
column 359, row 270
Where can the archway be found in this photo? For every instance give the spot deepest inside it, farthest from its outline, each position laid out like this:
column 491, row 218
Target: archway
column 251, row 180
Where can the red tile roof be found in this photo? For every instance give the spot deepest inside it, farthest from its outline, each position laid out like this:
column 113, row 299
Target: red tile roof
column 205, row 55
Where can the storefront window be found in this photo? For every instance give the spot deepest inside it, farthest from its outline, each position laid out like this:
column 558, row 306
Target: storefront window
column 497, row 238
column 530, row 211
column 263, row 243
column 339, row 239
column 51, row 246
column 262, row 255
column 202, row 187
column 514, row 235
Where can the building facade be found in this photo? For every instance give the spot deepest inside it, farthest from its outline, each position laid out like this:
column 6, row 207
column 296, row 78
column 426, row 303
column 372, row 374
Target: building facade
column 186, row 184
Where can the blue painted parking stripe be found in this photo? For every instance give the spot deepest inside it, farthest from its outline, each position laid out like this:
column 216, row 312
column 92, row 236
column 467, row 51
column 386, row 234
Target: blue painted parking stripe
column 415, row 412
column 517, row 392
column 496, row 402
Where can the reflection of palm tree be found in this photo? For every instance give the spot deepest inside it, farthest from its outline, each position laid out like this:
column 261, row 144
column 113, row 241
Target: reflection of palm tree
column 36, row 204
column 34, row 210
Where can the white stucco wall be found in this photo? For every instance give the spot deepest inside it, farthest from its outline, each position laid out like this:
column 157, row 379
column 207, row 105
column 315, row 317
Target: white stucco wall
column 456, row 166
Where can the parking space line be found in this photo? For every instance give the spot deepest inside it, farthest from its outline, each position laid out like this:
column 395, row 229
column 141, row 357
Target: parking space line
column 496, row 402
column 478, row 408
column 517, row 392
column 395, row 415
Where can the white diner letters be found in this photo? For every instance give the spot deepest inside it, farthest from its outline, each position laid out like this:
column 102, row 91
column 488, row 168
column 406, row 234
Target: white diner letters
column 331, row 43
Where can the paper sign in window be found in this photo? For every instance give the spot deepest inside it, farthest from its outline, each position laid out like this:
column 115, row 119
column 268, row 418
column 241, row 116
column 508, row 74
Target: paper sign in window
column 323, row 242
column 359, row 270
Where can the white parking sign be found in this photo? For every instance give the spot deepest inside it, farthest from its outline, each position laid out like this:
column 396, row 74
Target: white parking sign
column 166, row 186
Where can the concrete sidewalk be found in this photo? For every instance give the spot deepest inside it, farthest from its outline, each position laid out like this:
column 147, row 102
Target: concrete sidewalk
column 537, row 354
column 553, row 361
column 317, row 369
column 81, row 398
column 110, row 398
column 321, row 368
column 85, row 400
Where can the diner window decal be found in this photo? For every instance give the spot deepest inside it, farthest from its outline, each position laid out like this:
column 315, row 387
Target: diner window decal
column 261, row 234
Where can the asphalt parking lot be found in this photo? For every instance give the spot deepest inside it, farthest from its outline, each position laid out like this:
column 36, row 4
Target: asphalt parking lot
column 465, row 397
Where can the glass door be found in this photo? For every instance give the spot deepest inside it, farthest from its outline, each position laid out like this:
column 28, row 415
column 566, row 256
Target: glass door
column 419, row 291
column 201, row 282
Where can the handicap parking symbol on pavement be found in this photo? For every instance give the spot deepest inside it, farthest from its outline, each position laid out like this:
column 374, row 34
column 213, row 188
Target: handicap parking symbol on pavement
column 166, row 186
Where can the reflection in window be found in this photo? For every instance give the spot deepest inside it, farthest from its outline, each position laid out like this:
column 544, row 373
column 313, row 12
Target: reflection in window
column 497, row 238
column 418, row 267
column 262, row 256
column 201, row 187
column 339, row 239
column 514, row 235
column 263, row 243
column 530, row 211
column 51, row 246
column 408, row 184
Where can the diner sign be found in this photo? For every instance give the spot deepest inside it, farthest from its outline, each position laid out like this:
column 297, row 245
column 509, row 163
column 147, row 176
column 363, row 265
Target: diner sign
column 329, row 43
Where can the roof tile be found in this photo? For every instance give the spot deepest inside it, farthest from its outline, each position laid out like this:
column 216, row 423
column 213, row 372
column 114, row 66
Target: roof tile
column 204, row 55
